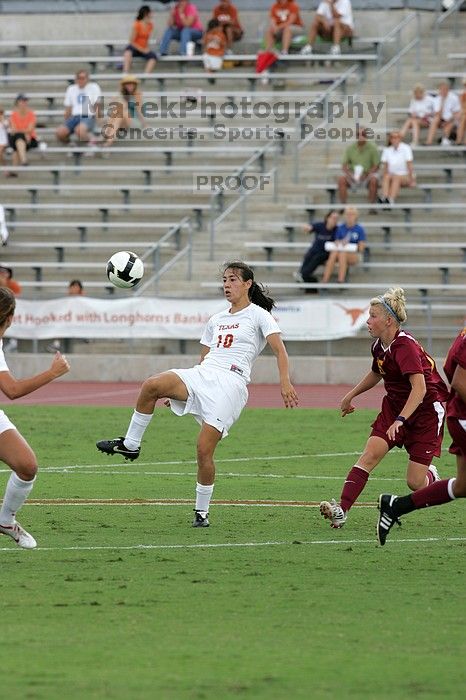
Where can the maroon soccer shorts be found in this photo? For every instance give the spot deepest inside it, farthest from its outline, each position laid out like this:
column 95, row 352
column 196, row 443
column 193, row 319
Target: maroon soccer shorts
column 458, row 435
column 421, row 437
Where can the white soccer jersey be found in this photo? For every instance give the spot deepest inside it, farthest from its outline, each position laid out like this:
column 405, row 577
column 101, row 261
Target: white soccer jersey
column 3, row 365
column 235, row 340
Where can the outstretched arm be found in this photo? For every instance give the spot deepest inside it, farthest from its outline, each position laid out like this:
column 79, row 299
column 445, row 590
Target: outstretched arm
column 15, row 388
column 290, row 397
column 368, row 382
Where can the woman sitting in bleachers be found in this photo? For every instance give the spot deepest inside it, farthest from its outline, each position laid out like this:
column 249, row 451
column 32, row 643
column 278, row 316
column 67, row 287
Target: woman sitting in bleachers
column 22, row 134
column 123, row 109
column 345, row 250
column 421, row 112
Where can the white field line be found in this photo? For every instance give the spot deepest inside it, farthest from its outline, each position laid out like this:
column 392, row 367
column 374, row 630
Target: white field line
column 99, row 472
column 232, row 545
column 71, row 468
column 242, row 504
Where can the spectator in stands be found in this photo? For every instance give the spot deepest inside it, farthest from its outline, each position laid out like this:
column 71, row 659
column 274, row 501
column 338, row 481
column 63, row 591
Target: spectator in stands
column 461, row 130
column 22, row 136
column 323, row 231
column 184, row 25
column 82, row 102
column 397, row 160
column 360, row 167
column 6, row 280
column 421, row 112
column 350, row 241
column 333, row 21
column 139, row 41
column 75, row 289
column 214, row 42
column 227, row 14
column 3, row 136
column 3, row 227
column 123, row 109
column 284, row 21
column 447, row 110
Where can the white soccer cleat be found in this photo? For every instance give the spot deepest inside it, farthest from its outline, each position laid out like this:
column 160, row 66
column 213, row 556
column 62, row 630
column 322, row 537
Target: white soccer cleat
column 19, row 535
column 333, row 512
column 434, row 471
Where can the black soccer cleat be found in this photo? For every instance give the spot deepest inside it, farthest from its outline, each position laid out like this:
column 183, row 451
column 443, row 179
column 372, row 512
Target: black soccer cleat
column 387, row 518
column 117, row 447
column 200, row 520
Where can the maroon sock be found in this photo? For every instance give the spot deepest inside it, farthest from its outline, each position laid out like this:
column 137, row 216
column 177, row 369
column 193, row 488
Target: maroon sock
column 354, row 484
column 433, row 495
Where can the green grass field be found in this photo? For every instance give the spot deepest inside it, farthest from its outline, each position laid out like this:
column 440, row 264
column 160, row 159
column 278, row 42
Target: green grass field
column 129, row 601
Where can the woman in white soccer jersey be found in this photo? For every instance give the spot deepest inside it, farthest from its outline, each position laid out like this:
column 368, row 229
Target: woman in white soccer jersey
column 214, row 391
column 14, row 450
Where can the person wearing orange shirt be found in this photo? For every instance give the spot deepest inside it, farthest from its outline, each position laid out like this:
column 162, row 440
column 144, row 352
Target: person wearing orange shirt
column 227, row 15
column 139, row 41
column 284, row 20
column 22, row 130
column 6, row 280
column 214, row 42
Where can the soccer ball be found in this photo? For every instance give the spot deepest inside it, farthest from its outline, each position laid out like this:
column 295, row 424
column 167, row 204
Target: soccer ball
column 125, row 269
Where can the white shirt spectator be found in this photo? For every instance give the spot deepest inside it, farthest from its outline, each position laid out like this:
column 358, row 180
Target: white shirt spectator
column 82, row 100
column 3, row 229
column 451, row 105
column 422, row 108
column 343, row 7
column 3, row 134
column 397, row 158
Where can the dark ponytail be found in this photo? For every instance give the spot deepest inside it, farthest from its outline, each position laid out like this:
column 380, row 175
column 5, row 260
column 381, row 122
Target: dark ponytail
column 7, row 305
column 257, row 292
column 144, row 10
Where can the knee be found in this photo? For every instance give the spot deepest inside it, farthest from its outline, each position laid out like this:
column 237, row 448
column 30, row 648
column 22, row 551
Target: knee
column 204, row 453
column 151, row 386
column 416, row 482
column 28, row 468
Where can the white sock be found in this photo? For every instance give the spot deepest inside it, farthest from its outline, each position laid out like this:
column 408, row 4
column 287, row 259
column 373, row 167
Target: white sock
column 16, row 493
column 203, row 496
column 136, row 429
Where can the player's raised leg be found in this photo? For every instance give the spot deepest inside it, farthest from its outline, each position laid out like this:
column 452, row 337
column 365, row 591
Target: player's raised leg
column 164, row 385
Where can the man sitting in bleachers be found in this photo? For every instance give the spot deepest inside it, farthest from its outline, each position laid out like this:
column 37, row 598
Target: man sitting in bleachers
column 360, row 168
column 447, row 110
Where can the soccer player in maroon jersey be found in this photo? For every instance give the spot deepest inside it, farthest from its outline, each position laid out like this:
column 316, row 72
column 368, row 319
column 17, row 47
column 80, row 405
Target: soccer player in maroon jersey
column 412, row 411
column 392, row 507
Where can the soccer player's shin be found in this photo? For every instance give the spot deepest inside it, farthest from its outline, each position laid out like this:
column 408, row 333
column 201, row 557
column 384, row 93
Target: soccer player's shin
column 353, row 486
column 136, row 429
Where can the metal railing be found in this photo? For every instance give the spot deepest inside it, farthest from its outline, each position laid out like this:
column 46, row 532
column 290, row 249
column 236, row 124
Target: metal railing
column 442, row 16
column 395, row 34
column 154, row 253
column 322, row 99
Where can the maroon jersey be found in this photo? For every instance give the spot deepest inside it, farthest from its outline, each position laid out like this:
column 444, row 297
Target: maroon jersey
column 395, row 363
column 456, row 356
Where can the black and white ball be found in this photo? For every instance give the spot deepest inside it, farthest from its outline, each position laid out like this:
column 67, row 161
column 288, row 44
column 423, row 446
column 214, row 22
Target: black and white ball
column 125, row 269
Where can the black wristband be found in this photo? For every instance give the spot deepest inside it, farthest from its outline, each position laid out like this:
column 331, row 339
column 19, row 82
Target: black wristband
column 402, row 419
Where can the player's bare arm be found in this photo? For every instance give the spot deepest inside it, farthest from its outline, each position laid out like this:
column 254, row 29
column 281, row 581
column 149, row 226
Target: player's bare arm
column 415, row 398
column 368, row 382
column 289, row 395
